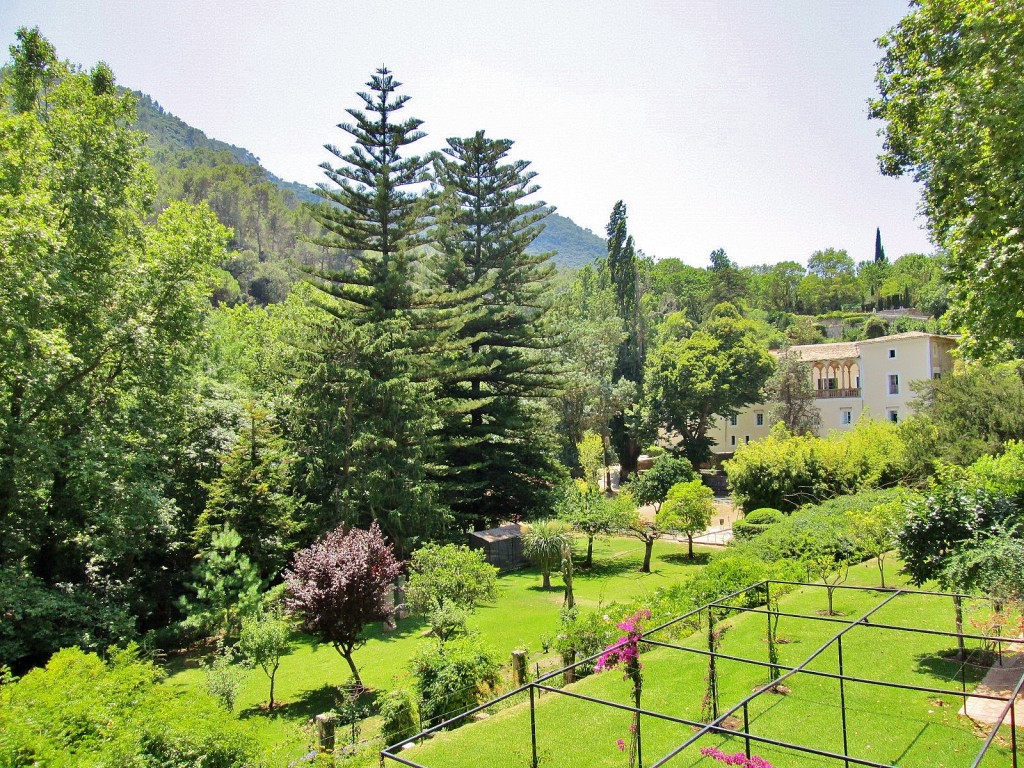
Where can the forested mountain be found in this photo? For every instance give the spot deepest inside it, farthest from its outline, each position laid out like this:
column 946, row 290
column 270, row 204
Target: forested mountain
column 262, row 208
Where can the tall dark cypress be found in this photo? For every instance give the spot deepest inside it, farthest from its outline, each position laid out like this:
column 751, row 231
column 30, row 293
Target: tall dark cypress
column 629, row 363
column 368, row 406
column 498, row 448
column 879, row 250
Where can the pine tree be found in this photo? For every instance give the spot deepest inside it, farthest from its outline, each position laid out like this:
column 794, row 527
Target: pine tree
column 498, row 449
column 368, row 411
column 629, row 363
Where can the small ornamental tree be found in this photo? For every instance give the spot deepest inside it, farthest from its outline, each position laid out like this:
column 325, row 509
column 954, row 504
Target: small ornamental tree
column 226, row 586
column 875, row 531
column 544, row 542
column 264, row 640
column 652, row 486
column 341, row 583
column 592, row 513
column 449, row 581
column 687, row 509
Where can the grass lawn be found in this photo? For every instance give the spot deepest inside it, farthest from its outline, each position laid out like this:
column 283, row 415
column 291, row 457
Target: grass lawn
column 907, row 728
column 308, row 678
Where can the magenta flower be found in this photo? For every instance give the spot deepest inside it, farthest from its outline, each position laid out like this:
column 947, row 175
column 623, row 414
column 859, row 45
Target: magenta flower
column 622, row 744
column 736, row 759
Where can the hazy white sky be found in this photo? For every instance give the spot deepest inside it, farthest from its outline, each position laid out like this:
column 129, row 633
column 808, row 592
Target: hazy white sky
column 739, row 124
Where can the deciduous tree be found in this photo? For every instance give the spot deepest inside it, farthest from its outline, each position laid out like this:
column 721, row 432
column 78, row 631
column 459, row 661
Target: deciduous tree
column 688, row 509
column 341, row 583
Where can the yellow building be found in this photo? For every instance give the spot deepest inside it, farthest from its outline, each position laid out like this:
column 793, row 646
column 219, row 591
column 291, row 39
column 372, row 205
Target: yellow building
column 850, row 379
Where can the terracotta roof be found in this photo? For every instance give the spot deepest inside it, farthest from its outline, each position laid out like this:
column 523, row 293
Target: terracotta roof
column 845, row 350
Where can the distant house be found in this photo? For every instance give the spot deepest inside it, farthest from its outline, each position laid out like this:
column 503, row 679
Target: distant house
column 502, row 546
column 850, row 379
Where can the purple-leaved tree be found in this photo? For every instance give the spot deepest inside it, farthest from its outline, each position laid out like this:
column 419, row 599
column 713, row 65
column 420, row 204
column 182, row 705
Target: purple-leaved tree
column 339, row 584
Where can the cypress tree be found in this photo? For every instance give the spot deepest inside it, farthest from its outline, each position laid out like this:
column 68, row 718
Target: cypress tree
column 498, row 448
column 879, row 250
column 629, row 362
column 368, row 412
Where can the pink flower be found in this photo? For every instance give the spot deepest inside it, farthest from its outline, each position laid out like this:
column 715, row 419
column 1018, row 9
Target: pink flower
column 737, row 759
column 622, row 744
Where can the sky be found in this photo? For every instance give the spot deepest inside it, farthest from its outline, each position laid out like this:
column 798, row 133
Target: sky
column 735, row 124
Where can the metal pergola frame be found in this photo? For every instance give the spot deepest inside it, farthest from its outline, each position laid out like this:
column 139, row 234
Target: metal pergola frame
column 717, row 725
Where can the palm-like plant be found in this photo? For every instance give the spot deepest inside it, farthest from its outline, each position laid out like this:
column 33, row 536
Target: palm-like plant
column 543, row 542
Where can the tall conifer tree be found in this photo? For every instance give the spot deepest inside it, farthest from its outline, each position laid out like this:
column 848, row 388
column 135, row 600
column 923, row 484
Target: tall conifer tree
column 498, row 449
column 629, row 363
column 369, row 410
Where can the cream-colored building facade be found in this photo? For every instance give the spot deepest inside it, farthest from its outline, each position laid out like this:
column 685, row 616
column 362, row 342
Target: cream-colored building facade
column 852, row 379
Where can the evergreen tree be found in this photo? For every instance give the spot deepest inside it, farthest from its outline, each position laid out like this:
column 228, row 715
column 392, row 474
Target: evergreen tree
column 629, row 362
column 879, row 250
column 368, row 413
column 498, row 448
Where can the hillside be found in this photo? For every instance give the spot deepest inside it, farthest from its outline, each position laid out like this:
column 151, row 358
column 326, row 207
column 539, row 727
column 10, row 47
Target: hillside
column 191, row 165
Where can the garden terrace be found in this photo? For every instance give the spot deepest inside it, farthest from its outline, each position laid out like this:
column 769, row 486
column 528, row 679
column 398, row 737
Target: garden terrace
column 879, row 684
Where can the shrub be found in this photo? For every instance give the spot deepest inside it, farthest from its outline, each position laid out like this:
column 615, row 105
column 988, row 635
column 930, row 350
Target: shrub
column 80, row 710
column 784, row 471
column 449, row 677
column 400, row 716
column 586, row 633
column 756, row 522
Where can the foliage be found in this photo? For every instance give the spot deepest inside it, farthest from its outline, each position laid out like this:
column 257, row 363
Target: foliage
column 756, row 522
column 583, row 634
column 341, row 583
column 543, row 542
column 784, row 471
column 991, row 565
column 253, row 495
column 263, row 642
column 400, row 716
column 449, row 677
column 718, row 370
column 226, row 586
column 687, row 509
column 948, row 97
column 652, row 486
column 791, row 396
column 624, row 277
column 102, row 312
column 626, row 652
column 368, row 404
column 446, row 582
column 875, row 532
column 973, row 412
column 590, row 451
column 80, row 710
column 496, row 441
column 593, row 513
column 939, row 520
column 223, row 676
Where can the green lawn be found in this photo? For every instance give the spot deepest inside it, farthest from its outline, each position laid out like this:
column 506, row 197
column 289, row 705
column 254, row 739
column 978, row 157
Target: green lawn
column 308, row 678
column 907, row 728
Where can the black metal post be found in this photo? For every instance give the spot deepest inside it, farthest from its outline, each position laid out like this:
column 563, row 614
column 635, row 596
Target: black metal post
column 1013, row 732
column 842, row 700
column 712, row 665
column 533, row 728
column 639, row 741
column 959, row 609
column 746, row 729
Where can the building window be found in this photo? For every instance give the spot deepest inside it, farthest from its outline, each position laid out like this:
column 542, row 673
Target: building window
column 732, row 439
column 894, row 415
column 759, row 419
column 892, row 354
column 846, row 416
column 746, row 440
column 894, row 384
column 732, row 420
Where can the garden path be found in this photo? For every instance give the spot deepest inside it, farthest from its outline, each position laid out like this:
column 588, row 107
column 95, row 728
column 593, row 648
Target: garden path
column 999, row 681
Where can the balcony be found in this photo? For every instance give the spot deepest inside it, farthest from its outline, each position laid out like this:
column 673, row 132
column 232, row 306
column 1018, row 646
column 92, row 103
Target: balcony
column 828, row 394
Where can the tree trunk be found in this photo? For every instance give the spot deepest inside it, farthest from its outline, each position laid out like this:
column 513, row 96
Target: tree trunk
column 271, row 707
column 346, row 654
column 648, row 548
column 689, row 541
column 830, row 591
column 628, row 460
column 546, row 583
column 590, row 550
column 881, row 571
